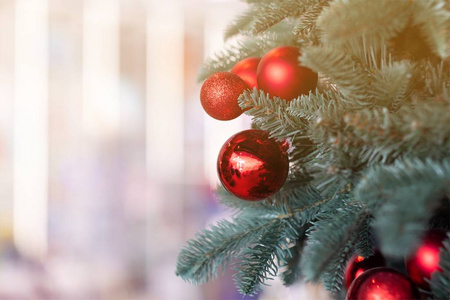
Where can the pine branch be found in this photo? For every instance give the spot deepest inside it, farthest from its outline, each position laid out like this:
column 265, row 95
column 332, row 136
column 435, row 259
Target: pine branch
column 212, row 249
column 290, row 119
column 199, row 261
column 274, row 12
column 317, row 104
column 346, row 22
column 270, row 114
column 283, row 30
column 365, row 244
column 292, row 271
column 307, row 21
column 258, row 262
column 373, row 77
column 240, row 23
column 296, row 200
column 373, row 136
column 387, row 190
column 433, row 19
column 350, row 78
column 440, row 281
column 393, row 83
column 436, row 79
column 331, row 242
column 304, row 151
column 261, row 262
column 306, row 24
column 288, row 194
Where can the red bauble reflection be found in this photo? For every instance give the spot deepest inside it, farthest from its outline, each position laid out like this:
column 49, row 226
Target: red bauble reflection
column 382, row 283
column 251, row 165
column 358, row 265
column 425, row 259
column 219, row 95
column 279, row 74
column 246, row 69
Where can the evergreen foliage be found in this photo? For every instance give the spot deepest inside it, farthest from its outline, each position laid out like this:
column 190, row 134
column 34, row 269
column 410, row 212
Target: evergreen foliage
column 258, row 261
column 240, row 24
column 318, row 261
column 412, row 185
column 199, row 261
column 346, row 22
column 370, row 155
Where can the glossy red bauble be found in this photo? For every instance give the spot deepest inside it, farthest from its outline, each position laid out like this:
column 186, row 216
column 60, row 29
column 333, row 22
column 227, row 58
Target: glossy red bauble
column 251, row 165
column 425, row 259
column 382, row 283
column 280, row 74
column 246, row 69
column 219, row 95
column 358, row 265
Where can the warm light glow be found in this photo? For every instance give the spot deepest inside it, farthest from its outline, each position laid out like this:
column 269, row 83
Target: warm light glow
column 359, row 259
column 246, row 161
column 429, row 258
column 101, row 105
column 165, row 103
column 278, row 72
column 358, row 272
column 31, row 128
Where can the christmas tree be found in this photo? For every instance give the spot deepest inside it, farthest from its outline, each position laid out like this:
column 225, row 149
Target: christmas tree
column 362, row 112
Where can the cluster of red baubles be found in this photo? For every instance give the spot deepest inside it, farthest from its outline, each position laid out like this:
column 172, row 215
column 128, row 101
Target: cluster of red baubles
column 277, row 73
column 368, row 278
column 251, row 165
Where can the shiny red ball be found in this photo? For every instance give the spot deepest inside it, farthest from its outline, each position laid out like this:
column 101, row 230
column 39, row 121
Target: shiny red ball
column 246, row 69
column 358, row 265
column 251, row 165
column 382, row 283
column 425, row 259
column 280, row 74
column 219, row 95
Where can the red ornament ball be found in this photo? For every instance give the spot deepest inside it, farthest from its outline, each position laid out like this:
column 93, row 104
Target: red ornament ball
column 382, row 283
column 358, row 265
column 246, row 69
column 425, row 259
column 279, row 74
column 219, row 95
column 251, row 165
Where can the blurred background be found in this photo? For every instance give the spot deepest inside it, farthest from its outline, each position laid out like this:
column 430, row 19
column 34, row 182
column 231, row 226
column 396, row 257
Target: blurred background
column 107, row 160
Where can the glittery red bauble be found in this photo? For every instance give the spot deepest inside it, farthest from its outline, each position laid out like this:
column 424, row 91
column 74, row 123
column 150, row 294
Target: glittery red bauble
column 279, row 74
column 382, row 284
column 246, row 69
column 358, row 265
column 251, row 165
column 425, row 259
column 219, row 95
